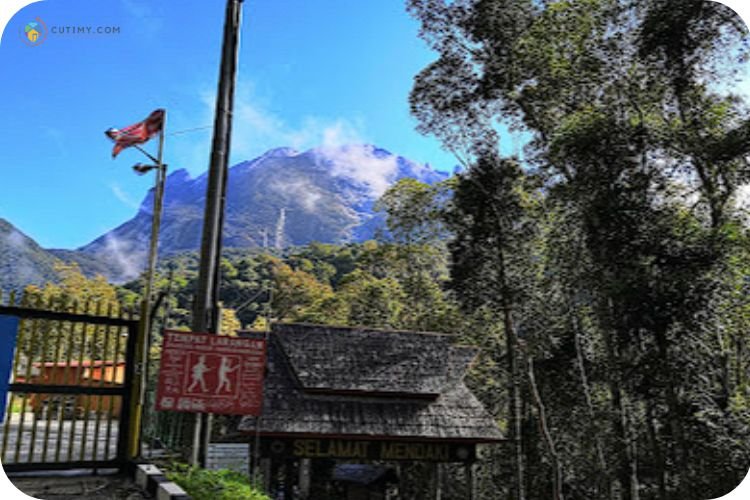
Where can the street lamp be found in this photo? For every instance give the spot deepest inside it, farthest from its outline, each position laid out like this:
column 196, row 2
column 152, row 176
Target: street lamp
column 142, row 169
column 131, row 137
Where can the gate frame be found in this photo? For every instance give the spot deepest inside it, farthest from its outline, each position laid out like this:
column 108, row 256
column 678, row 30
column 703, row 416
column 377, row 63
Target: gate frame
column 122, row 458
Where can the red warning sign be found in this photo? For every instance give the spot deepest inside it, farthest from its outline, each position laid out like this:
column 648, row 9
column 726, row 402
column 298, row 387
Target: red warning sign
column 202, row 372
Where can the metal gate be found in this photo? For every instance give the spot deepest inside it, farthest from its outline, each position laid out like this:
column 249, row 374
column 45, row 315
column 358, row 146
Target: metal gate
column 71, row 382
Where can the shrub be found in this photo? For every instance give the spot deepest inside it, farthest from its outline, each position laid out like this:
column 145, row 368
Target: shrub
column 203, row 484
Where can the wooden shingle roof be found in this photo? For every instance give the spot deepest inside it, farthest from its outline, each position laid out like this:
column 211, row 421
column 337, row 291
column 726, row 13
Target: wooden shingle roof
column 353, row 382
column 341, row 360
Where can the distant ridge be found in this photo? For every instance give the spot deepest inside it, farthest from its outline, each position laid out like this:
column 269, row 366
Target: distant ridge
column 282, row 198
column 22, row 261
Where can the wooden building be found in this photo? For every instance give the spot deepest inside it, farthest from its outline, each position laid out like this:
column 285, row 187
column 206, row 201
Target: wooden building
column 365, row 396
column 93, row 373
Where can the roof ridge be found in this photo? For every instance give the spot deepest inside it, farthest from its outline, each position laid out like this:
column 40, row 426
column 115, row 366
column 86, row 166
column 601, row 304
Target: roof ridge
column 363, row 329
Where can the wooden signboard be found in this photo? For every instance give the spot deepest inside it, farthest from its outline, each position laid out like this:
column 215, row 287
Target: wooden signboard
column 352, row 449
column 201, row 372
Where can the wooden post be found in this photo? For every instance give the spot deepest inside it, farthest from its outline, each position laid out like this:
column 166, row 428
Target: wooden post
column 273, row 483
column 265, row 474
column 205, row 304
column 289, row 479
column 304, row 478
column 471, row 482
column 437, row 477
column 397, row 492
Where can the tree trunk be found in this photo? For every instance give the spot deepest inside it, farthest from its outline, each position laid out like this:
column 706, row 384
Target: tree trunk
column 514, row 410
column 633, row 462
column 673, row 416
column 657, row 451
column 626, row 470
column 556, row 465
column 590, row 407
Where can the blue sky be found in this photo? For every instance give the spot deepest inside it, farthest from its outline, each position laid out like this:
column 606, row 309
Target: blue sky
column 308, row 70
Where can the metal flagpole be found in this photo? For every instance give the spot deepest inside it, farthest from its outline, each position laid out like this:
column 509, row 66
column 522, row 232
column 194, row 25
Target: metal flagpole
column 142, row 347
column 205, row 306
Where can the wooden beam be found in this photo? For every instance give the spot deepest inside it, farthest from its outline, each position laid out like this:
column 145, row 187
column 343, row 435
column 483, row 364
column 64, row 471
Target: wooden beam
column 471, row 482
column 437, row 480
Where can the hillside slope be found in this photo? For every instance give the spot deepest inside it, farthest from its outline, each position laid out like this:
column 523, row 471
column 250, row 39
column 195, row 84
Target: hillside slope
column 279, row 199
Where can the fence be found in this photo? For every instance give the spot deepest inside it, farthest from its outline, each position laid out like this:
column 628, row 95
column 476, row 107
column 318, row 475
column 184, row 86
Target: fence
column 71, row 381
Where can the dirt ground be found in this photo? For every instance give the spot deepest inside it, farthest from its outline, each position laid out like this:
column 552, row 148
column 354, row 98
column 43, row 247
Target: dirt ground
column 81, row 485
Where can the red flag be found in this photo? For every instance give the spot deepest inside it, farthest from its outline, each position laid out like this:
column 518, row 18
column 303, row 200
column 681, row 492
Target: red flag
column 138, row 133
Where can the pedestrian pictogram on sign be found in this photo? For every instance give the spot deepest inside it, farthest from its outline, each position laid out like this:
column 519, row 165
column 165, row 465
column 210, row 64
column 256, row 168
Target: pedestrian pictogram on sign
column 201, row 372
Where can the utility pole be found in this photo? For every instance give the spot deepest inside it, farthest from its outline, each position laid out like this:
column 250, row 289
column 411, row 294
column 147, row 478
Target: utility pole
column 205, row 307
column 144, row 331
column 132, row 136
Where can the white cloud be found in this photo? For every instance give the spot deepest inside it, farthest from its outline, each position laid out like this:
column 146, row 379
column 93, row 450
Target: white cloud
column 149, row 22
column 16, row 240
column 341, row 133
column 299, row 190
column 350, row 158
column 255, row 130
column 124, row 197
column 129, row 260
column 341, row 143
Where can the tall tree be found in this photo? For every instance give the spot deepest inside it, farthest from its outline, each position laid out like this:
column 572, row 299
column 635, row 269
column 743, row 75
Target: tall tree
column 489, row 230
column 643, row 152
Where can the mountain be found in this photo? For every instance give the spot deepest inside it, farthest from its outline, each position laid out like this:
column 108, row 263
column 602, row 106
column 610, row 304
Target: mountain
column 279, row 199
column 90, row 265
column 22, row 260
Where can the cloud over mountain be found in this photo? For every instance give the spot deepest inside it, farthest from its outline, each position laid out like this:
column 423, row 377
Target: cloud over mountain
column 324, row 194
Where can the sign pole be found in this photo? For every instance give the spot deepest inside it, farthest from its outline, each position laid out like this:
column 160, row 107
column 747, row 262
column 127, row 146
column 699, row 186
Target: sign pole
column 205, row 306
column 142, row 347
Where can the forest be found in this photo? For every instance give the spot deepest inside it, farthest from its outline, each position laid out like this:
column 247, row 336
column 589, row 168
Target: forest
column 603, row 270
